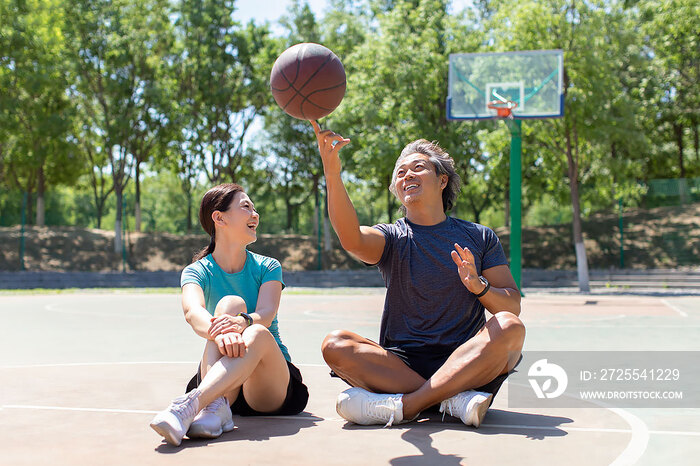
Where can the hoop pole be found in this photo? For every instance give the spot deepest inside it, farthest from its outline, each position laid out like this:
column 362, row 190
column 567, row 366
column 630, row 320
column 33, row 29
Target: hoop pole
column 515, row 127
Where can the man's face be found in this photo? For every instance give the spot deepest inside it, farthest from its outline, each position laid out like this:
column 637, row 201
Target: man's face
column 417, row 181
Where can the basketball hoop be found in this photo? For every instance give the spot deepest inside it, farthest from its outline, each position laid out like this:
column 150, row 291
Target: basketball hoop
column 503, row 109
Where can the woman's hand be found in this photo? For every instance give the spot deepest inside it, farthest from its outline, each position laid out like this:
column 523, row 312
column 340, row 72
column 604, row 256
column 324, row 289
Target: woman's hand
column 329, row 143
column 464, row 259
column 231, row 344
column 226, row 324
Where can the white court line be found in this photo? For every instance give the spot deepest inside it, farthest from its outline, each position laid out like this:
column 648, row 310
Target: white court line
column 92, row 410
column 675, row 308
column 639, row 441
column 639, row 431
column 79, row 364
column 319, row 418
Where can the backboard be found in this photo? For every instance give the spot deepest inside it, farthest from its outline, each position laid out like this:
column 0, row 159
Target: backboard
column 528, row 82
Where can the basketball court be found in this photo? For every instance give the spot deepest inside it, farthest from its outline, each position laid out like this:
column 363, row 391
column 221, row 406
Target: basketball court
column 84, row 372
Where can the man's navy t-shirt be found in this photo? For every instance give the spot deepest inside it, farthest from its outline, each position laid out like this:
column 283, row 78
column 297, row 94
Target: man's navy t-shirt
column 426, row 305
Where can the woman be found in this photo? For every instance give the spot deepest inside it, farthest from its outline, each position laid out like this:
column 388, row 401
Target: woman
column 230, row 297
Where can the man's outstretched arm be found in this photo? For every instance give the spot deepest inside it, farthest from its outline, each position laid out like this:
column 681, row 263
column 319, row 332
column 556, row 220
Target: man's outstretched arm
column 365, row 243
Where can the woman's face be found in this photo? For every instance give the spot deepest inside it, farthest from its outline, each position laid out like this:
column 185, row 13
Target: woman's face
column 240, row 220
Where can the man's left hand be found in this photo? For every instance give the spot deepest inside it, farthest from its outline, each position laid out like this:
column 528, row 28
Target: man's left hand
column 464, row 259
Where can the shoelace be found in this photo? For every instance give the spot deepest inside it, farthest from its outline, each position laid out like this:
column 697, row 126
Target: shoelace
column 375, row 405
column 215, row 405
column 184, row 406
column 446, row 407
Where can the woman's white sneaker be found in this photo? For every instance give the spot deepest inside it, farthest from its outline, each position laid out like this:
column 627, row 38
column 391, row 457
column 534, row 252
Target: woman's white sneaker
column 469, row 406
column 212, row 421
column 362, row 407
column 173, row 422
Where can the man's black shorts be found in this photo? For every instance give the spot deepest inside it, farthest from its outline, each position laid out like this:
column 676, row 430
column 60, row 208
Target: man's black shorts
column 294, row 403
column 426, row 362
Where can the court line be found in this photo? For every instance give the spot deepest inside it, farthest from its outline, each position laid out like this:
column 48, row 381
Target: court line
column 129, row 363
column 637, row 444
column 679, row 311
column 639, row 432
column 78, row 364
column 319, row 418
column 92, row 410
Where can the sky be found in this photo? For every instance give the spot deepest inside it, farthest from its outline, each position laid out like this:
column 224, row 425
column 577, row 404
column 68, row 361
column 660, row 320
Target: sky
column 271, row 10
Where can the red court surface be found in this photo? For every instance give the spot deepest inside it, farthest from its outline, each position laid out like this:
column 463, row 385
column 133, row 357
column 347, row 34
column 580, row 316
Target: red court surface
column 82, row 374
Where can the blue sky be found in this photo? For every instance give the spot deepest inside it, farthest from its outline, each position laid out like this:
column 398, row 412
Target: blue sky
column 271, row 10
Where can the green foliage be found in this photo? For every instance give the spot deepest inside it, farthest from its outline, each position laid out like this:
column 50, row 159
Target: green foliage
column 91, row 88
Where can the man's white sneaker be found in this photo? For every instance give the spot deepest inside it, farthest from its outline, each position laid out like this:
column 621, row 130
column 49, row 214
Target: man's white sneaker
column 173, row 423
column 212, row 421
column 469, row 406
column 362, row 407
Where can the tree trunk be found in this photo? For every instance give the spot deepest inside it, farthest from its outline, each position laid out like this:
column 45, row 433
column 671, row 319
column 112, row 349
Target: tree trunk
column 30, row 209
column 137, row 202
column 40, row 191
column 696, row 140
column 188, row 195
column 581, row 260
column 118, row 222
column 316, row 213
column 290, row 213
column 328, row 246
column 678, row 131
column 389, row 203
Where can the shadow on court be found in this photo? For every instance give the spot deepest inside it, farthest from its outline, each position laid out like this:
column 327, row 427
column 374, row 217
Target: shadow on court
column 83, row 373
column 255, row 431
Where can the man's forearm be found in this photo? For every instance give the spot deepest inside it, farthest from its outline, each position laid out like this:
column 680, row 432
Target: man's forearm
column 501, row 300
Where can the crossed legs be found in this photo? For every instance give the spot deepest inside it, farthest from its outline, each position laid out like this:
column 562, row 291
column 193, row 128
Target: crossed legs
column 261, row 372
column 363, row 363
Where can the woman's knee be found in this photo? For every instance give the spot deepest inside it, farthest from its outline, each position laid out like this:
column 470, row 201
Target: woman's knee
column 258, row 334
column 231, row 305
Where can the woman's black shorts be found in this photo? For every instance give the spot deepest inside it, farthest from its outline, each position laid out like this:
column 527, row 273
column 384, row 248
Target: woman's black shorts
column 294, row 403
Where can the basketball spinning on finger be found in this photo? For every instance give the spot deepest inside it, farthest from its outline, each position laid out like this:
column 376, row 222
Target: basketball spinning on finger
column 308, row 81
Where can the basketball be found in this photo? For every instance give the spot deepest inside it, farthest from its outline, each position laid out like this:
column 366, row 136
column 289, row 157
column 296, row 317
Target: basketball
column 308, row 81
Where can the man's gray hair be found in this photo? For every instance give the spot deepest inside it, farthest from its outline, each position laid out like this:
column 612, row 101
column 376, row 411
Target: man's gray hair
column 443, row 163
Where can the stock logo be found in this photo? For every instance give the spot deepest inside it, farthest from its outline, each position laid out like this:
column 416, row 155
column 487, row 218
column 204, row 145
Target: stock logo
column 542, row 373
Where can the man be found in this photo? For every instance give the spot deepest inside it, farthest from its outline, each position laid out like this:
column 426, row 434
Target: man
column 436, row 346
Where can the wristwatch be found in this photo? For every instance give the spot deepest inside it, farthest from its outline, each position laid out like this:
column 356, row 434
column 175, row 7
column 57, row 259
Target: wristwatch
column 248, row 319
column 487, row 286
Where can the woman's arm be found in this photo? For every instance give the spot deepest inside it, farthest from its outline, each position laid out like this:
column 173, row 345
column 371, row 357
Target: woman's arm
column 365, row 243
column 195, row 313
column 268, row 303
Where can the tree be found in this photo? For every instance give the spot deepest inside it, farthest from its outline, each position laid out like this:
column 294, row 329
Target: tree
column 114, row 45
column 672, row 37
column 397, row 89
column 33, row 81
column 222, row 69
column 596, row 115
